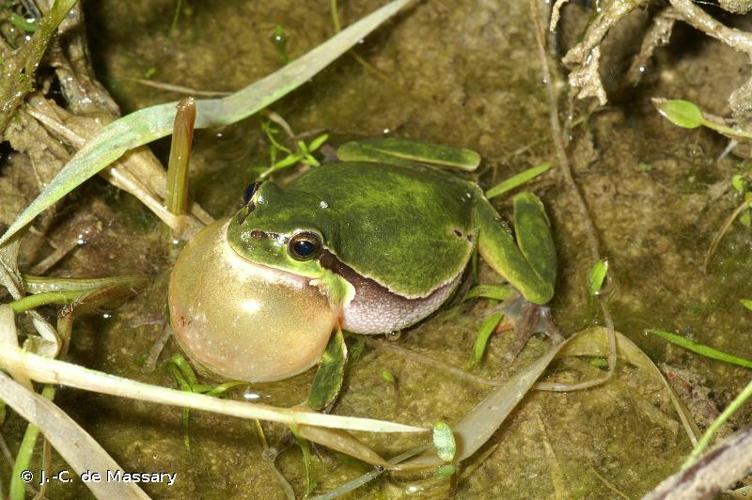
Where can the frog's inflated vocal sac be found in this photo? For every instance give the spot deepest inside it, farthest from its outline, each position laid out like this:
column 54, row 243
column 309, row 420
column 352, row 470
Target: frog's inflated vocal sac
column 371, row 246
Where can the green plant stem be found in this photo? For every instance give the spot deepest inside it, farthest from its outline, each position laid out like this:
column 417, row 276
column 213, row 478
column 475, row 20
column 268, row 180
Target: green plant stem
column 335, row 16
column 180, row 154
column 25, row 452
column 727, row 131
column 39, row 284
column 44, row 298
column 717, row 423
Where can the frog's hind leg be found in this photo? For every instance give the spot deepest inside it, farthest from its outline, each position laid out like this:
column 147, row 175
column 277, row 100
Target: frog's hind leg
column 529, row 262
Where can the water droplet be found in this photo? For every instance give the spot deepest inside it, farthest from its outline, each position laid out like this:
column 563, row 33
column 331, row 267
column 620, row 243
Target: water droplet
column 251, row 396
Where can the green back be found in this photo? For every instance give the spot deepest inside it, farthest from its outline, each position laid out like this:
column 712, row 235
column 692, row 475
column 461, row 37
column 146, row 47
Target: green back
column 408, row 228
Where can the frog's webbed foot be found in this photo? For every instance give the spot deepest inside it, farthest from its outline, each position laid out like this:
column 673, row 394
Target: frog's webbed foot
column 527, row 319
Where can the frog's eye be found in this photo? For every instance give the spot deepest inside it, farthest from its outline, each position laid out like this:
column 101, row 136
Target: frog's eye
column 249, row 192
column 305, row 246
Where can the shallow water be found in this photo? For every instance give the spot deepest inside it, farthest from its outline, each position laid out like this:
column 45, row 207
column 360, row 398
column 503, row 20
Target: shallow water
column 461, row 73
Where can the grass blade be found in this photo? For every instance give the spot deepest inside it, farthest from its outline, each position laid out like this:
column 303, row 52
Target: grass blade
column 148, row 124
column 517, row 180
column 51, row 371
column 701, row 349
column 597, row 276
column 484, row 333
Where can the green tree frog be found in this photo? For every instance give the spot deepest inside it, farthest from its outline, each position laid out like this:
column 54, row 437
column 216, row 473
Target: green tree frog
column 372, row 243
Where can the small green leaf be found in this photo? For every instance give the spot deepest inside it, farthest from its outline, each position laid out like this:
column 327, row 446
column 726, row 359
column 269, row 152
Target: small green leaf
column 445, row 470
column 484, row 333
column 288, row 161
column 597, row 276
column 746, row 303
column 495, row 292
column 443, row 441
column 310, row 161
column 685, row 114
column 701, row 349
column 517, row 180
column 318, row 142
column 24, row 24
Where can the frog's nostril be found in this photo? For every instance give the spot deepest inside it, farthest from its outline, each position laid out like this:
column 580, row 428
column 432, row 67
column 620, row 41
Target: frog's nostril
column 257, row 234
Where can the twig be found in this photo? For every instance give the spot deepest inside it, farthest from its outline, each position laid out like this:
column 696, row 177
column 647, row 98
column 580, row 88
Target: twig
column 718, row 469
column 179, row 89
column 701, row 20
column 657, row 35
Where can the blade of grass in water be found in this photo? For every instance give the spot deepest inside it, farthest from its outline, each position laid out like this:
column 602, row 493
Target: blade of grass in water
column 704, row 350
column 517, row 180
column 52, row 371
column 152, row 123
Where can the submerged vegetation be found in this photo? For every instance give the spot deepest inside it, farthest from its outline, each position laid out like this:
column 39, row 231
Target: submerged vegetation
column 622, row 186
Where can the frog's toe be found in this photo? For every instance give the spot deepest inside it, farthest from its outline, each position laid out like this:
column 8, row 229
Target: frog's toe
column 527, row 319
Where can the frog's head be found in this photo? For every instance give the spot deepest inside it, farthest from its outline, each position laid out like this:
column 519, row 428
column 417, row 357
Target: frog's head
column 285, row 230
